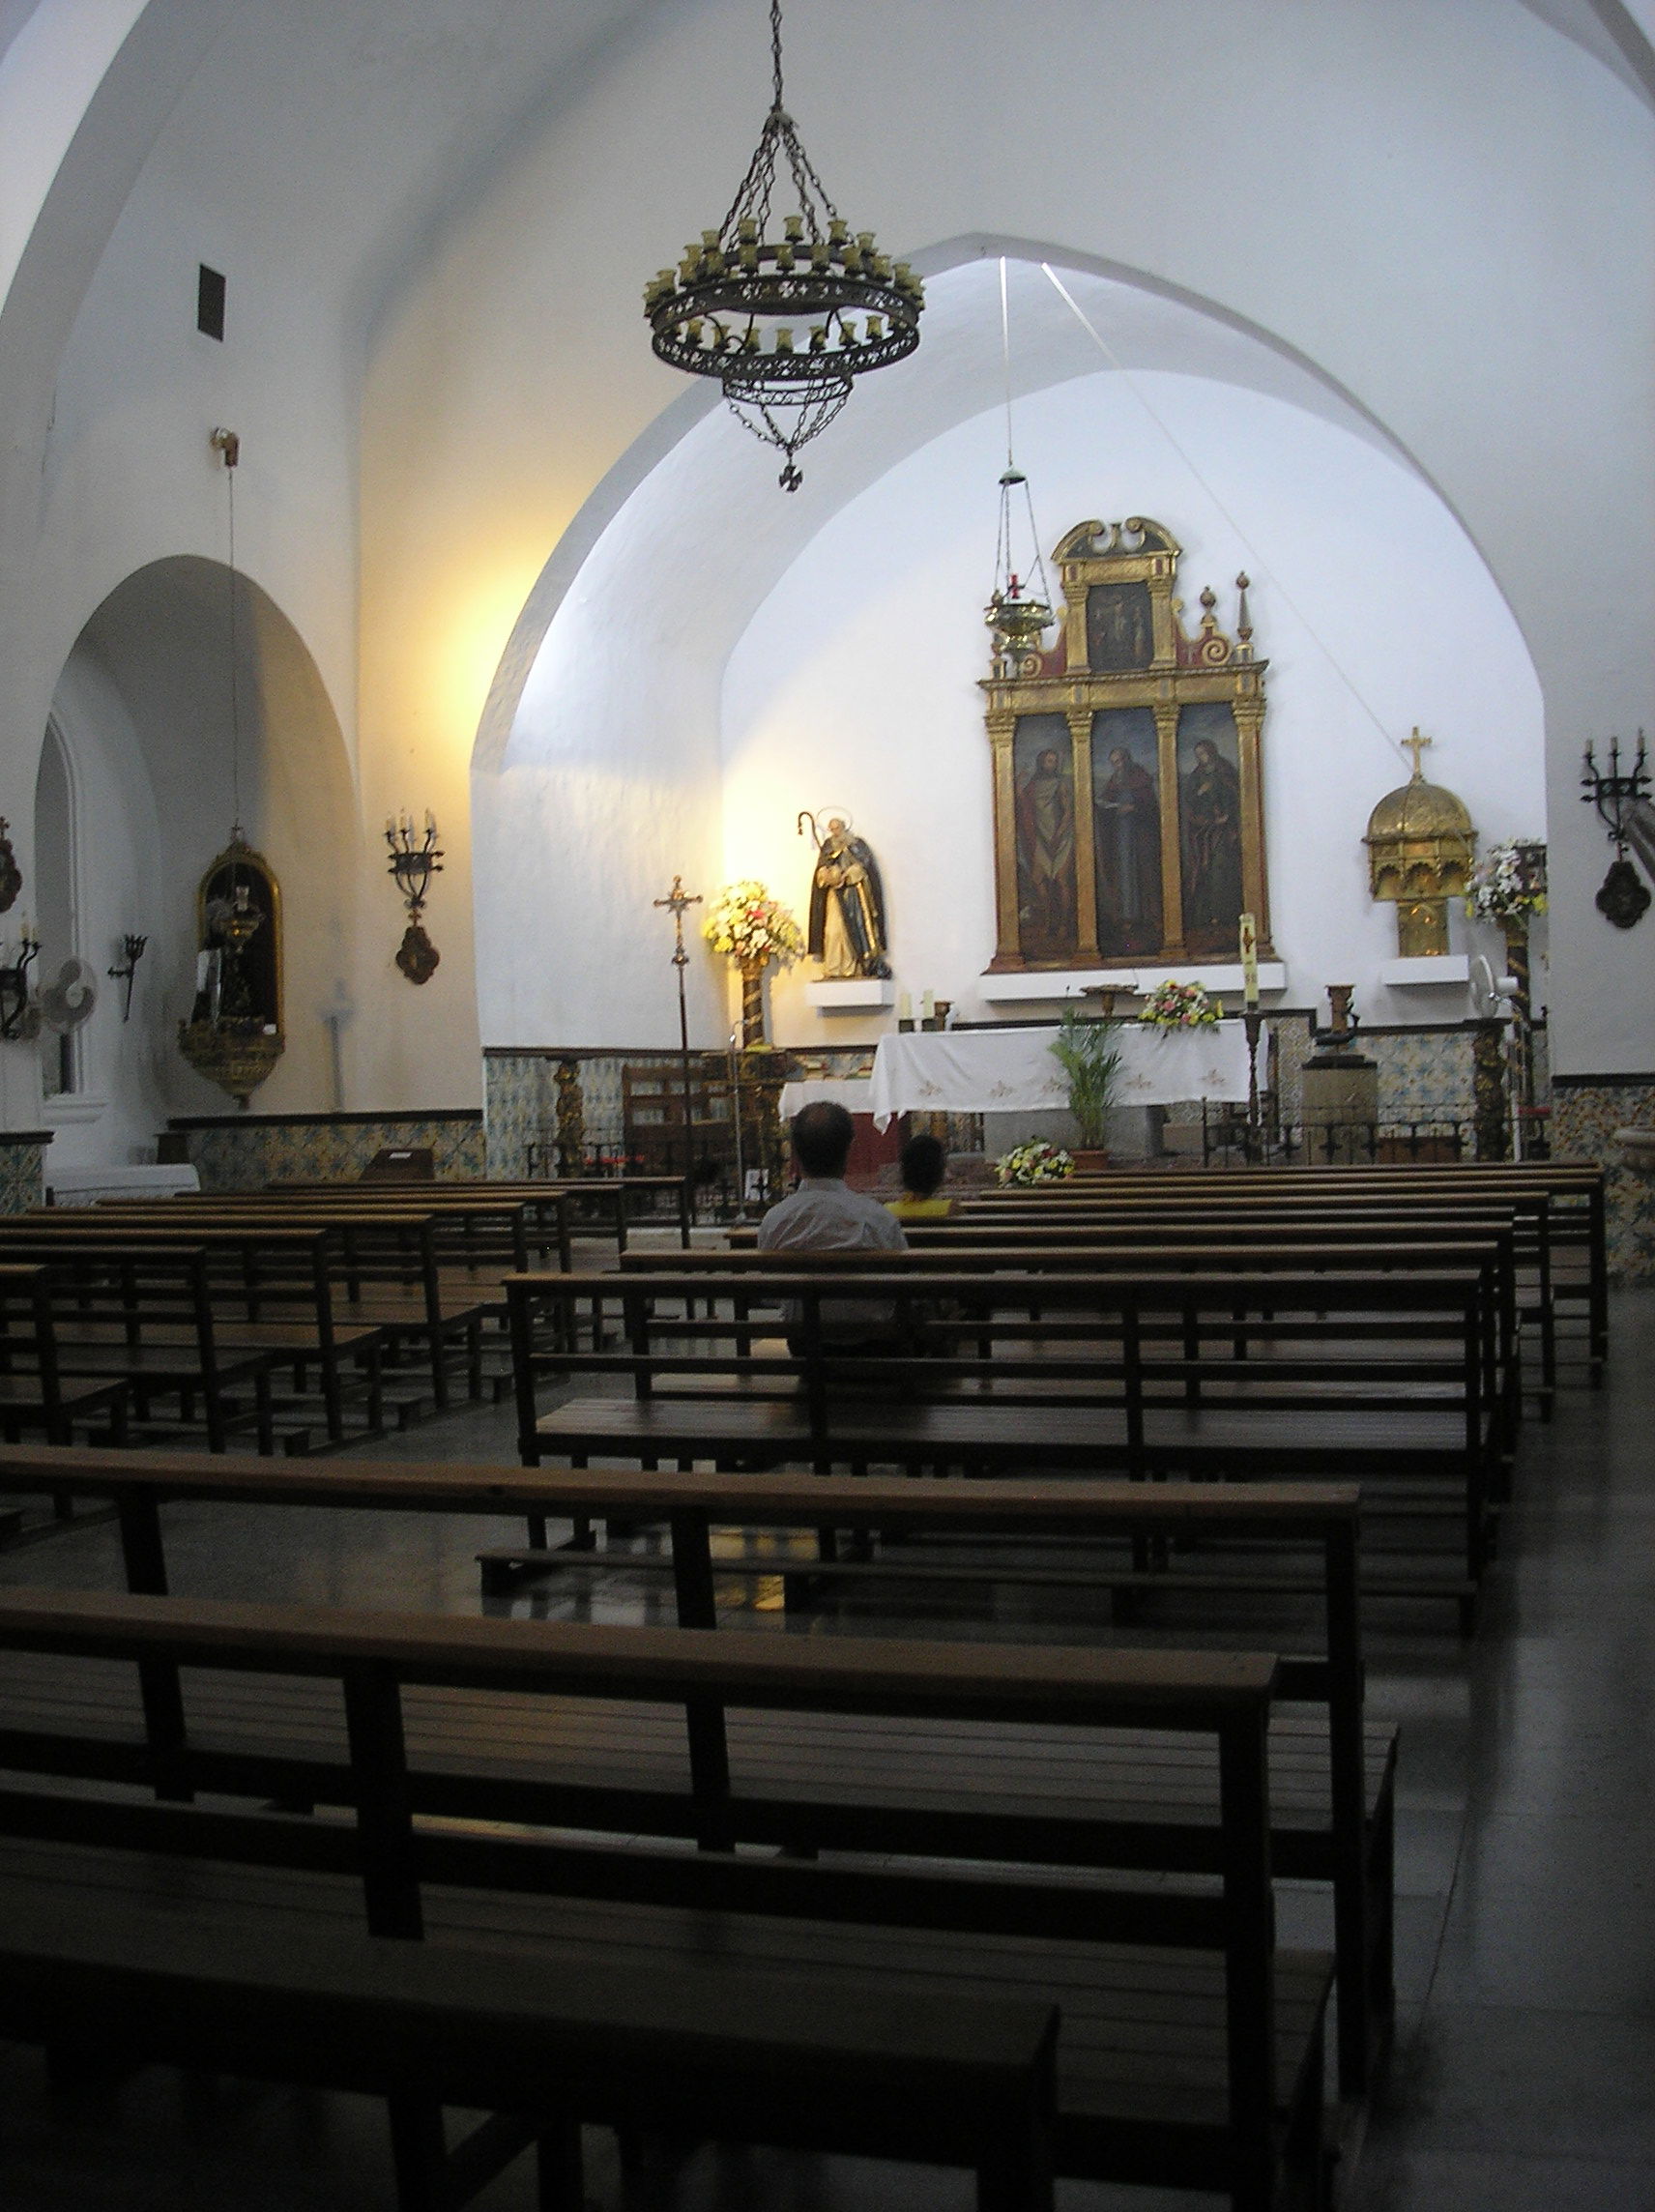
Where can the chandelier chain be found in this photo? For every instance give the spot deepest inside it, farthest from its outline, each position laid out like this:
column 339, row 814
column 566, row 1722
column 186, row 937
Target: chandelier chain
column 235, row 688
column 776, row 50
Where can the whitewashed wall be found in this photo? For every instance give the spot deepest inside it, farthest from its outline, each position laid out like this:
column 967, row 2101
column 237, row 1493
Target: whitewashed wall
column 857, row 681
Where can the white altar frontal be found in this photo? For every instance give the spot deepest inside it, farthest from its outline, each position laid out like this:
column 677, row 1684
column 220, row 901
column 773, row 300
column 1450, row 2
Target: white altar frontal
column 1012, row 1071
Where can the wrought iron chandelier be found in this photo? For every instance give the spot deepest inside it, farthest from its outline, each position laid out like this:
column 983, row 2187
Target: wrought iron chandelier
column 784, row 323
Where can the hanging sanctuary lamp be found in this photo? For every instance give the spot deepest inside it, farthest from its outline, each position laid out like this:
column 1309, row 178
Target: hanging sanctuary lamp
column 233, row 1036
column 785, row 323
column 1019, row 611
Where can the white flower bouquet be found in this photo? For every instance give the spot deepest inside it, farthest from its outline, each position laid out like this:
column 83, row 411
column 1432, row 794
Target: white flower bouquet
column 1034, row 1162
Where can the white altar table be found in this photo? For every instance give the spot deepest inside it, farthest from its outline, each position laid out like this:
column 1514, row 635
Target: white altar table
column 1012, row 1071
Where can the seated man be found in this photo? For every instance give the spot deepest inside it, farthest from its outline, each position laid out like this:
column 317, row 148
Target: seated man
column 824, row 1215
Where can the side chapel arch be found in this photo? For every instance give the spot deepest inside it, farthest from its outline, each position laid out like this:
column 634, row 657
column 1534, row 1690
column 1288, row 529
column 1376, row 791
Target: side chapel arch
column 1128, row 770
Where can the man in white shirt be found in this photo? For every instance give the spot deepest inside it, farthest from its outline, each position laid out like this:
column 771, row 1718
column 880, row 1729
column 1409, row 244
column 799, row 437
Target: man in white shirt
column 824, row 1215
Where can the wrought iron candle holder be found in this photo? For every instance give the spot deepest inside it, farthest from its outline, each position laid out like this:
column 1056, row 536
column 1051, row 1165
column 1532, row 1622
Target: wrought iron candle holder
column 412, row 865
column 132, row 953
column 1624, row 898
column 14, row 1002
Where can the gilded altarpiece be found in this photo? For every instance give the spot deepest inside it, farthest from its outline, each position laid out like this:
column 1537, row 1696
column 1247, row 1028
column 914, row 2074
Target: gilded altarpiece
column 1128, row 773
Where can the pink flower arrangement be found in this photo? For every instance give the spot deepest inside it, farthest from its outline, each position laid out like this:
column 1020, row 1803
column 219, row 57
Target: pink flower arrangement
column 1173, row 1005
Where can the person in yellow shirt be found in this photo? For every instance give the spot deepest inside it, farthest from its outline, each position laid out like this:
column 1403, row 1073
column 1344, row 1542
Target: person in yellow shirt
column 924, row 1164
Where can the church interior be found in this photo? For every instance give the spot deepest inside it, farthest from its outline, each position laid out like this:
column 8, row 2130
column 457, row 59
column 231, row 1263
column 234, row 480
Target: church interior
column 1130, row 675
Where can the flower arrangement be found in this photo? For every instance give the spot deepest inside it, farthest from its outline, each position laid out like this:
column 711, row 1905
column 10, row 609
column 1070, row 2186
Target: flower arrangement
column 1173, row 1005
column 750, row 925
column 1508, row 883
column 1034, row 1162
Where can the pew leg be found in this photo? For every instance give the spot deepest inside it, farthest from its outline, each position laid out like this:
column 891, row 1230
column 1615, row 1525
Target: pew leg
column 419, row 2153
column 560, row 2176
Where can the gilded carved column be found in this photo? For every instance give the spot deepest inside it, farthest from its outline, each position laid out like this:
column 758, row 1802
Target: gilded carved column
column 1171, row 857
column 1249, row 716
column 1086, row 846
column 1001, row 731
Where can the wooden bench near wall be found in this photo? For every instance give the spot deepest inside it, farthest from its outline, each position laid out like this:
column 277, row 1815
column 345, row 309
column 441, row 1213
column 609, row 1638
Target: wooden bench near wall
column 1208, row 2075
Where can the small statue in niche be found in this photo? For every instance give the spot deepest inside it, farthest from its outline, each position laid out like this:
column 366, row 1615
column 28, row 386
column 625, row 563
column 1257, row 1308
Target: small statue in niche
column 847, row 902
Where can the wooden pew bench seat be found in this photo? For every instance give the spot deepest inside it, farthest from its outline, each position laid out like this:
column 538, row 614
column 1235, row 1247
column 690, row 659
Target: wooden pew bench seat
column 541, row 2033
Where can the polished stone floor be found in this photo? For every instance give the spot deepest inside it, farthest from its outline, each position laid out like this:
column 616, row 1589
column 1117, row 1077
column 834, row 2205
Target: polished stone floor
column 1524, row 2072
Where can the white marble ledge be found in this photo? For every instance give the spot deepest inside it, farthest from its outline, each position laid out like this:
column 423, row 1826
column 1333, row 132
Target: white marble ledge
column 1074, row 984
column 851, row 995
column 1427, row 968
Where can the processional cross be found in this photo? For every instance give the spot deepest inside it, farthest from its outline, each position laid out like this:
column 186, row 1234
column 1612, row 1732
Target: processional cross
column 678, row 899
column 1415, row 745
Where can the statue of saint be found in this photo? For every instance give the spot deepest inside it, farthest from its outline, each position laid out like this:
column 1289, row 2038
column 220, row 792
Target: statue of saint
column 1127, row 811
column 847, row 904
column 1211, row 804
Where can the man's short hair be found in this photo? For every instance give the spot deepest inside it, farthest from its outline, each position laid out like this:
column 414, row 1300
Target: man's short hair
column 823, row 1135
column 924, row 1165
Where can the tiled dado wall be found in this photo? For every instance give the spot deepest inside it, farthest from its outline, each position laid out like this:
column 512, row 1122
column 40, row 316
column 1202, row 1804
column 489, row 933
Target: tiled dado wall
column 243, row 1151
column 1586, row 1110
column 22, row 1177
column 1425, row 1074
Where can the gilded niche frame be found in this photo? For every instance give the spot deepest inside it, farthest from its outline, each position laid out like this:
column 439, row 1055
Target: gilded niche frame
column 1128, row 770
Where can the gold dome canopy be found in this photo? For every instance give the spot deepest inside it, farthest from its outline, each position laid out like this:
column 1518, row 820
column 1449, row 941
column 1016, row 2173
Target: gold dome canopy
column 1421, row 845
column 1418, row 809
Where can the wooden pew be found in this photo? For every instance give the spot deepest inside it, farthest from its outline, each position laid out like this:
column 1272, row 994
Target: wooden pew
column 1576, row 1228
column 1209, row 2072
column 271, row 1290
column 1332, row 1778
column 1250, row 1247
column 1526, row 1213
column 1142, row 1376
column 36, row 1395
column 536, row 2041
column 625, row 1199
column 146, row 1318
column 389, row 1271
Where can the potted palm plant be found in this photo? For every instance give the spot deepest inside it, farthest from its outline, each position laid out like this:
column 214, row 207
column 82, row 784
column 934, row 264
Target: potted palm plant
column 1091, row 1057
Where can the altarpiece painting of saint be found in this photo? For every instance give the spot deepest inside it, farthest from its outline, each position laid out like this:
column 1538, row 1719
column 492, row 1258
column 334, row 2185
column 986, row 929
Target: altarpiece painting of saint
column 1046, row 835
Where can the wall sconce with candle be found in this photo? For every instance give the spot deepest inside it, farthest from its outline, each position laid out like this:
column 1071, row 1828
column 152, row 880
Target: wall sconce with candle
column 132, row 953
column 1618, row 794
column 15, row 1006
column 412, row 865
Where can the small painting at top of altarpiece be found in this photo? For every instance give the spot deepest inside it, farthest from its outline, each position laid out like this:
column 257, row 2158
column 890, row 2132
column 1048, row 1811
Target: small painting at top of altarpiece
column 1128, row 770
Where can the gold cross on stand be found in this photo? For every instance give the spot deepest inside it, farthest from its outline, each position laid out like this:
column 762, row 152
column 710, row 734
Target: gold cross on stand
column 678, row 898
column 1415, row 745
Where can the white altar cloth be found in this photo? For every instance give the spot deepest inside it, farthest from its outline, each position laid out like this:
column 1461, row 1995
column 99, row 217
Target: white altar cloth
column 852, row 1092
column 1012, row 1071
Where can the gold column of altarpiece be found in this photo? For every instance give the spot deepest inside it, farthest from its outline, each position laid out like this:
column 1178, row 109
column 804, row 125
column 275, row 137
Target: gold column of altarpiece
column 1153, row 850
